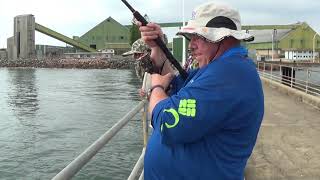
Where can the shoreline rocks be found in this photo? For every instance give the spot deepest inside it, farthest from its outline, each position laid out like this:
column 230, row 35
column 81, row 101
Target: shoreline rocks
column 117, row 62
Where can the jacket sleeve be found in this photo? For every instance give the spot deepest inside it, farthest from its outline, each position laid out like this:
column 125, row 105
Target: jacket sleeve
column 175, row 85
column 178, row 82
column 196, row 110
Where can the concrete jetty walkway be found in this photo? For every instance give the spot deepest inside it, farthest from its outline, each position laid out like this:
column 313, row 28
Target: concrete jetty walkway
column 288, row 145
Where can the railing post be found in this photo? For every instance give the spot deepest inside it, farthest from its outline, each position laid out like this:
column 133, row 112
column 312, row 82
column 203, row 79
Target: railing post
column 291, row 76
column 145, row 124
column 146, row 84
column 271, row 71
column 264, row 69
column 307, row 83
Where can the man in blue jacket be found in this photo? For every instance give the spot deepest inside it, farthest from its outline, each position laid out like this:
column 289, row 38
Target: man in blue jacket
column 206, row 128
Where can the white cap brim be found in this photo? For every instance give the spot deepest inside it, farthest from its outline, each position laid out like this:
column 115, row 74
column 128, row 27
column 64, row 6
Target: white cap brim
column 214, row 34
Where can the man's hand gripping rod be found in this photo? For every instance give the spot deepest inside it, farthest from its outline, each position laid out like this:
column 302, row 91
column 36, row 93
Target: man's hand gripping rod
column 158, row 41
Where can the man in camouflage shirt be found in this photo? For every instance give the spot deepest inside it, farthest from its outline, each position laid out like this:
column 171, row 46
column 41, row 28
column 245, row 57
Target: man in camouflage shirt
column 141, row 53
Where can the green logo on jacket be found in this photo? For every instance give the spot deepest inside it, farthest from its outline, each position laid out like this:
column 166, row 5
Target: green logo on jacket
column 187, row 107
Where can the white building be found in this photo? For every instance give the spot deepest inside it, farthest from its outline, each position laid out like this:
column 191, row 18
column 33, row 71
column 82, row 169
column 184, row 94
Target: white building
column 90, row 55
column 299, row 55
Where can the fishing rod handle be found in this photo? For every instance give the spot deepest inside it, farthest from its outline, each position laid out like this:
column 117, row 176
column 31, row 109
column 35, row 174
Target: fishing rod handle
column 171, row 58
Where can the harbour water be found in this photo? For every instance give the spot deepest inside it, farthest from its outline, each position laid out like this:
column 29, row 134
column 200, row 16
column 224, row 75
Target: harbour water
column 49, row 116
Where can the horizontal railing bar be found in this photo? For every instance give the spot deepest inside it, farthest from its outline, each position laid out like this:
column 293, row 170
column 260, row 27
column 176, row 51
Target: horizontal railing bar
column 141, row 175
column 278, row 65
column 75, row 166
column 138, row 166
column 268, row 70
column 296, row 81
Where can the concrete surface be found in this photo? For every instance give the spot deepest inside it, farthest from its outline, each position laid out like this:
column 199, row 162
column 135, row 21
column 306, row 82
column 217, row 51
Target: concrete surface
column 294, row 93
column 288, row 145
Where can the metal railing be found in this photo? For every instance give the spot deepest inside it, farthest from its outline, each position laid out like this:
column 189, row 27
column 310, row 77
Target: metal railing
column 75, row 166
column 300, row 78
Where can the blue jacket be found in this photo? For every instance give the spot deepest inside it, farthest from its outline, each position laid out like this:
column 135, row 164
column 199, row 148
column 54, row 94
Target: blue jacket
column 208, row 127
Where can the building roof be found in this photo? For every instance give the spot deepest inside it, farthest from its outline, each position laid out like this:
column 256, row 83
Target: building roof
column 108, row 31
column 108, row 25
column 262, row 36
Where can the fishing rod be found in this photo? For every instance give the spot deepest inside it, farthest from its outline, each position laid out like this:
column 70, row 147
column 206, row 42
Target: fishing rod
column 158, row 41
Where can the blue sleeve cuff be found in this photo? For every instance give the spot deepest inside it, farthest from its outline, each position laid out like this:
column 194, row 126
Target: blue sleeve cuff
column 176, row 84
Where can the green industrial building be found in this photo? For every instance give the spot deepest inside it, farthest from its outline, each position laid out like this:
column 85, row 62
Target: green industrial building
column 109, row 34
column 291, row 42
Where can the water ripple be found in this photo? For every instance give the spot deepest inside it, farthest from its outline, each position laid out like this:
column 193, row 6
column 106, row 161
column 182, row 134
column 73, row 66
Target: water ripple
column 51, row 115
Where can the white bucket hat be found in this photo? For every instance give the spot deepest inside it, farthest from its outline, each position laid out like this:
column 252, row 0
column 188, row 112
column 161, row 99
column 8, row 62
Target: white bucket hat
column 214, row 22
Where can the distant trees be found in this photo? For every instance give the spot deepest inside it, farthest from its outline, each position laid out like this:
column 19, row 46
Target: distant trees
column 134, row 33
column 134, row 30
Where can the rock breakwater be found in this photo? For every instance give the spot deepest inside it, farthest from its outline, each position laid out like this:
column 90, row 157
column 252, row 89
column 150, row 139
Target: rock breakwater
column 117, row 62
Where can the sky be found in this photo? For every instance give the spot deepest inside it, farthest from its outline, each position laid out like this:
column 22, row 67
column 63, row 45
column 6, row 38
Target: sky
column 76, row 17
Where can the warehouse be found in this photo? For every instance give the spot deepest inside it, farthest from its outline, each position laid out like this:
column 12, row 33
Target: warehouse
column 109, row 34
column 288, row 42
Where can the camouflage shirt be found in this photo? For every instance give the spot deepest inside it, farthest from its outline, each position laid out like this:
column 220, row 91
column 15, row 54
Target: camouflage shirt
column 144, row 64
